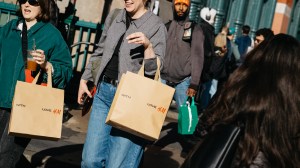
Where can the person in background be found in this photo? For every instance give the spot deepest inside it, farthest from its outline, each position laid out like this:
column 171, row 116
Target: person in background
column 207, row 21
column 221, row 42
column 263, row 97
column 233, row 57
column 244, row 41
column 221, row 46
column 228, row 62
column 32, row 30
column 184, row 54
column 135, row 35
column 262, row 34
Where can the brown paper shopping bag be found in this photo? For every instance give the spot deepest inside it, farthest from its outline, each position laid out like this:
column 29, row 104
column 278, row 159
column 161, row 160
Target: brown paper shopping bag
column 37, row 110
column 140, row 105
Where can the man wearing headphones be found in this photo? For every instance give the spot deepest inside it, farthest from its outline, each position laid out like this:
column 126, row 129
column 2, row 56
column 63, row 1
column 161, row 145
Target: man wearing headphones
column 184, row 54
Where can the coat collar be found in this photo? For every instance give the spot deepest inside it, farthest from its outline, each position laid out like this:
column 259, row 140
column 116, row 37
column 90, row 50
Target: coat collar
column 137, row 22
column 33, row 29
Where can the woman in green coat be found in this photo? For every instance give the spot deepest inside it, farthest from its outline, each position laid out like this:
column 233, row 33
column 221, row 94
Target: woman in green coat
column 31, row 31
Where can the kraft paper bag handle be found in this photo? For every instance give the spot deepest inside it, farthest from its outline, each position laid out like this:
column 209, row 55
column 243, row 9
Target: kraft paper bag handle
column 157, row 73
column 49, row 79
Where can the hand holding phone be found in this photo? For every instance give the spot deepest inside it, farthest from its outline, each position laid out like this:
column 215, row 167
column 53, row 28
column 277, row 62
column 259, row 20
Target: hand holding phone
column 87, row 101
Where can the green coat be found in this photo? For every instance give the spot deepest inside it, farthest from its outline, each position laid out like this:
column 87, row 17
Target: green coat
column 47, row 38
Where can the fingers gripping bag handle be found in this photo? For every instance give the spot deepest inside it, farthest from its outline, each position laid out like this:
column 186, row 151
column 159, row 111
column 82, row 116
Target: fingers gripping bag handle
column 157, row 73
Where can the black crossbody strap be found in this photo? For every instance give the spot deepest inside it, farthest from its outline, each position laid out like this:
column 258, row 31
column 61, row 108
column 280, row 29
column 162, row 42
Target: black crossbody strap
column 24, row 43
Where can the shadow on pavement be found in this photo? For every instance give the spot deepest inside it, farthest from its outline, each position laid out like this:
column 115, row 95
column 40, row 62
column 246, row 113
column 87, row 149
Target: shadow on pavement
column 23, row 163
column 66, row 156
column 172, row 137
column 155, row 157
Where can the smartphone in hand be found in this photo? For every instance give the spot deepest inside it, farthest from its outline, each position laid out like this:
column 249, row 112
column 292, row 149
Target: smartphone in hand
column 87, row 101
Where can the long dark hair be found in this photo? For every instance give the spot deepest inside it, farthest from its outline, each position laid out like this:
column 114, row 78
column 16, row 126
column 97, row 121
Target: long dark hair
column 264, row 95
column 44, row 16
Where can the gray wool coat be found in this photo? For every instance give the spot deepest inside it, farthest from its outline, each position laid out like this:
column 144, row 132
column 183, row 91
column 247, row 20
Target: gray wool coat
column 131, row 56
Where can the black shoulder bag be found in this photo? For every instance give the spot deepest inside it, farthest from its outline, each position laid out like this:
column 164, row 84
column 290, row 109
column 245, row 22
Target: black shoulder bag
column 216, row 150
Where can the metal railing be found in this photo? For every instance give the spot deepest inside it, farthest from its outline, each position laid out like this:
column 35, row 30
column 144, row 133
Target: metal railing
column 7, row 12
column 84, row 43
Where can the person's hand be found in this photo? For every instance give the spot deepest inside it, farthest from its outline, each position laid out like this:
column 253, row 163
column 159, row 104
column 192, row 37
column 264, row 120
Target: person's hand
column 40, row 58
column 83, row 91
column 140, row 38
column 224, row 49
column 191, row 92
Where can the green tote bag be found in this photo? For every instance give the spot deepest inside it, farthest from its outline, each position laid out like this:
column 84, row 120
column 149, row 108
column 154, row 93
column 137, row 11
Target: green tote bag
column 188, row 117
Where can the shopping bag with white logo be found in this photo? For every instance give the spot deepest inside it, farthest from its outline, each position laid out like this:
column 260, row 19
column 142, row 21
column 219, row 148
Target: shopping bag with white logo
column 188, row 117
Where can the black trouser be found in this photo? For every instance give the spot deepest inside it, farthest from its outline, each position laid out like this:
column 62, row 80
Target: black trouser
column 11, row 148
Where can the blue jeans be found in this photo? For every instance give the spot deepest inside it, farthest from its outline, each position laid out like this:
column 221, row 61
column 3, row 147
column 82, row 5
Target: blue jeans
column 180, row 95
column 205, row 96
column 106, row 146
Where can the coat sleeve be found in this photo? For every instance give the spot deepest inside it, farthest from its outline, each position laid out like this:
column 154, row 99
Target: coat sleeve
column 61, row 60
column 87, row 74
column 158, row 40
column 197, row 56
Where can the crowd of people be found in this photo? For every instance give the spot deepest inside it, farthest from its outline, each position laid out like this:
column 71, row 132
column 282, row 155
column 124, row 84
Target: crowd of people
column 235, row 80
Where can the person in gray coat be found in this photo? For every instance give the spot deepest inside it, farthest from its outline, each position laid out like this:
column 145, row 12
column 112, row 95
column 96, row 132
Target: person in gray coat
column 184, row 54
column 136, row 35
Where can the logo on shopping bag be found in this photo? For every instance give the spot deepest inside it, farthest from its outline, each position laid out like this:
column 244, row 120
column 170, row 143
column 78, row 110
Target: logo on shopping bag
column 151, row 105
column 161, row 109
column 56, row 111
column 46, row 109
column 20, row 105
column 126, row 96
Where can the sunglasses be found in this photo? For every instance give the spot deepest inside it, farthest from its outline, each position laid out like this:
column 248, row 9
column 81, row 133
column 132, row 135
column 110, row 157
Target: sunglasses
column 31, row 2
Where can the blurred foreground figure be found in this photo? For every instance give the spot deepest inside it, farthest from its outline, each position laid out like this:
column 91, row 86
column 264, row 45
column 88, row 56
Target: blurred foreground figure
column 263, row 97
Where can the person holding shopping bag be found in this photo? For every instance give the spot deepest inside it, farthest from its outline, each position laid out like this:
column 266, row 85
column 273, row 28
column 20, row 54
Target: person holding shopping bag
column 184, row 53
column 135, row 35
column 32, row 35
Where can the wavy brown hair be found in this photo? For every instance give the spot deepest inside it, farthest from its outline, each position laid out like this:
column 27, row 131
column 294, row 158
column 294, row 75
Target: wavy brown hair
column 264, row 95
column 44, row 16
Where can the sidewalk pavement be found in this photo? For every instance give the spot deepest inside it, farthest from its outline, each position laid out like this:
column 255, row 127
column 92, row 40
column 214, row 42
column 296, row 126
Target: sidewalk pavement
column 167, row 152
